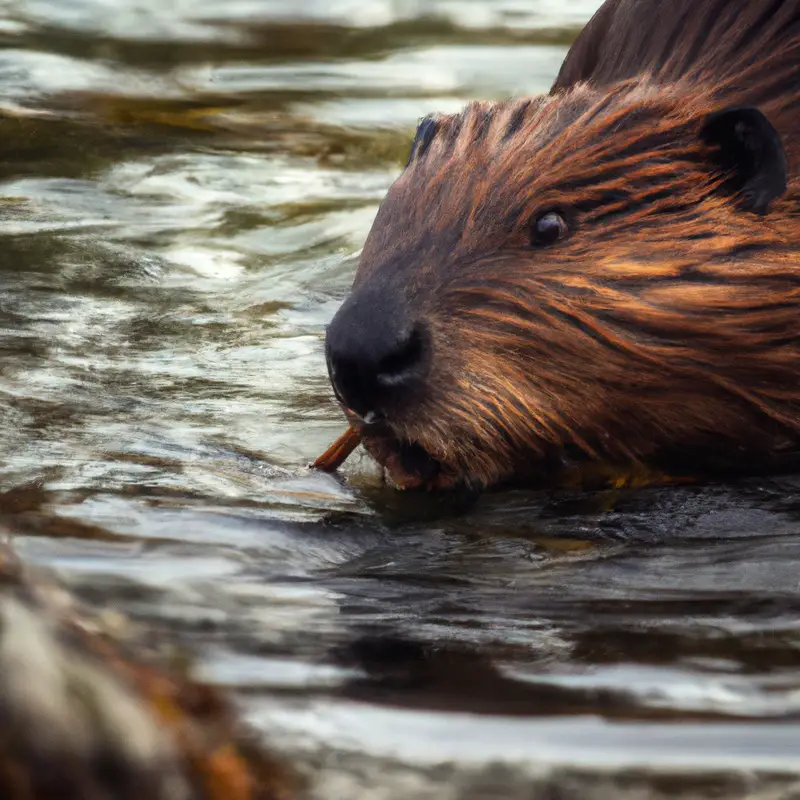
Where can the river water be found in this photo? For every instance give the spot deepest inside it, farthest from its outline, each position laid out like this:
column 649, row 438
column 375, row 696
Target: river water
column 184, row 189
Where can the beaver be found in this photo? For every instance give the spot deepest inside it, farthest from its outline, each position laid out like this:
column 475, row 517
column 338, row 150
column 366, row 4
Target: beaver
column 607, row 274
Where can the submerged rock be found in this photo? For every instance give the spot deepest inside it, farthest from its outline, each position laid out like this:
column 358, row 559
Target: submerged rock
column 93, row 714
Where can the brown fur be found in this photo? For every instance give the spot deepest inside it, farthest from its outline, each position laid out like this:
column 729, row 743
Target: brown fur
column 665, row 331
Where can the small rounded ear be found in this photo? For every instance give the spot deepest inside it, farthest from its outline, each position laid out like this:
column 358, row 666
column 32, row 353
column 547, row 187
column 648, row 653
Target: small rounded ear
column 426, row 130
column 750, row 153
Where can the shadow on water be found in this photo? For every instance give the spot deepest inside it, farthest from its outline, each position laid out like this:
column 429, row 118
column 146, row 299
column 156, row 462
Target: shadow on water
column 184, row 189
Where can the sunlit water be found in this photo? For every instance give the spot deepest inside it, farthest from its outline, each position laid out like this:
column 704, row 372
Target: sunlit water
column 185, row 187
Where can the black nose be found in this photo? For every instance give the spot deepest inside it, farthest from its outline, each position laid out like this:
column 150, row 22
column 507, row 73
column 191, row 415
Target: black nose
column 377, row 356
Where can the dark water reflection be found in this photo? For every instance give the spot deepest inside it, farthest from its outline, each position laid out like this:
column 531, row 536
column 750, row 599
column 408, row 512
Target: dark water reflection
column 184, row 188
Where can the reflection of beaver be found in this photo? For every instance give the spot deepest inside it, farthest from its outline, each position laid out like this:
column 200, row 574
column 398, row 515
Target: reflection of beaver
column 607, row 274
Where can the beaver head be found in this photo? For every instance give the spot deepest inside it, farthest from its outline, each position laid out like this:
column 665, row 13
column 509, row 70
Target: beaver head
column 602, row 276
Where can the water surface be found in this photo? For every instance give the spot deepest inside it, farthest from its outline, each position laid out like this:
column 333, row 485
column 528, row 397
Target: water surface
column 184, row 188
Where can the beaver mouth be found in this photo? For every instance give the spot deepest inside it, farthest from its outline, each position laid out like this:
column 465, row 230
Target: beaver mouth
column 408, row 464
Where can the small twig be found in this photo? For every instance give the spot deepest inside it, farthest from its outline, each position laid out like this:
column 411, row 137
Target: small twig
column 338, row 452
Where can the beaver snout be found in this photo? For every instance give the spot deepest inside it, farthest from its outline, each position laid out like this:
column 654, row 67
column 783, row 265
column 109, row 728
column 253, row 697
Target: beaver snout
column 377, row 356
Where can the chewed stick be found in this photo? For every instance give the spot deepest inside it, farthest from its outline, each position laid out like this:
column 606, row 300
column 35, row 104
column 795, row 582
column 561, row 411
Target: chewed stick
column 338, row 452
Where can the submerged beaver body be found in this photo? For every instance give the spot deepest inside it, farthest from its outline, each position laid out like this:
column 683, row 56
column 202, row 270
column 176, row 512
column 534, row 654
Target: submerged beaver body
column 605, row 275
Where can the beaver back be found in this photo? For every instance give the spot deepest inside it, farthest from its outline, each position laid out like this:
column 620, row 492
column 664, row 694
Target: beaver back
column 747, row 53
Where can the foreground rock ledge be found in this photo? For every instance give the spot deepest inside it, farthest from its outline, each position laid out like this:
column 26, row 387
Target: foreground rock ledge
column 87, row 716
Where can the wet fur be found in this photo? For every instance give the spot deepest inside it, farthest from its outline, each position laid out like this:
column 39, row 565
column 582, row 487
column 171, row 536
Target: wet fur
column 664, row 331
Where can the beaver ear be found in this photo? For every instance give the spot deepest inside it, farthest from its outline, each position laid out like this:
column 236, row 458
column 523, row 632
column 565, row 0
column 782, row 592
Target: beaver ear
column 751, row 153
column 426, row 130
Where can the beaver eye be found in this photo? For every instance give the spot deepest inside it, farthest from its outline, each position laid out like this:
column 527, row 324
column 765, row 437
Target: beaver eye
column 548, row 229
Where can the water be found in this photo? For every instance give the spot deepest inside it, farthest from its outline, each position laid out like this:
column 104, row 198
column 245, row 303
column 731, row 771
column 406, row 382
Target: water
column 184, row 188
